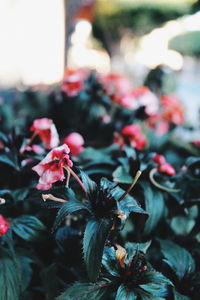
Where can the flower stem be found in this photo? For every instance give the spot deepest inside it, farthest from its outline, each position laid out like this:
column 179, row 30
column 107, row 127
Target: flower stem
column 68, row 169
column 138, row 174
column 68, row 177
column 28, row 142
column 158, row 185
column 46, row 197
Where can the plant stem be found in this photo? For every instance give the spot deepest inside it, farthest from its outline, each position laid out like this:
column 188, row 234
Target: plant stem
column 158, row 185
column 138, row 174
column 68, row 169
column 68, row 177
column 29, row 142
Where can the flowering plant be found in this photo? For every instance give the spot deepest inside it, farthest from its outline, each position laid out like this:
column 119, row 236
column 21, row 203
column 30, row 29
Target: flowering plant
column 102, row 200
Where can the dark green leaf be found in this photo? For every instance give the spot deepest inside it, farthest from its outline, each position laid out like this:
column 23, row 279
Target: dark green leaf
column 20, row 194
column 110, row 262
column 154, row 205
column 10, row 159
column 68, row 208
column 178, row 296
column 26, row 271
column 10, row 277
column 123, row 293
column 132, row 248
column 178, row 258
column 95, row 236
column 156, row 286
column 182, row 225
column 28, row 228
column 86, row 291
column 121, row 175
column 89, row 184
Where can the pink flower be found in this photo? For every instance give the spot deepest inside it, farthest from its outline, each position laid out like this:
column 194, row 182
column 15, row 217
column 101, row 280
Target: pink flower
column 172, row 109
column 75, row 142
column 50, row 169
column 156, row 122
column 146, row 98
column 116, row 84
column 196, row 143
column 72, row 82
column 4, row 226
column 47, row 132
column 167, row 168
column 135, row 136
column 35, row 148
column 159, row 159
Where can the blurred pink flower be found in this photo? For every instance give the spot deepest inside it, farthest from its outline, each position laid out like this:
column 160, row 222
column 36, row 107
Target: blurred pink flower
column 75, row 142
column 50, row 169
column 172, row 109
column 196, row 143
column 4, row 226
column 73, row 82
column 135, row 136
column 47, row 132
column 35, row 148
column 116, row 84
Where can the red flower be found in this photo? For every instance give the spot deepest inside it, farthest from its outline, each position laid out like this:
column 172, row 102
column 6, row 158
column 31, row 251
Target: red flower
column 75, row 142
column 135, row 136
column 196, row 143
column 116, row 84
column 172, row 109
column 47, row 132
column 4, row 226
column 73, row 82
column 156, row 122
column 159, row 159
column 167, row 168
column 50, row 169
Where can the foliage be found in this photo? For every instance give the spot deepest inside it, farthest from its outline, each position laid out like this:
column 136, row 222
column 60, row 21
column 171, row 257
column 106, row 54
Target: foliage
column 121, row 227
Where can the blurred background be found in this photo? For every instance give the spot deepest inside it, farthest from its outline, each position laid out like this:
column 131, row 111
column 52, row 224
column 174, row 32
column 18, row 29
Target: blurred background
column 147, row 40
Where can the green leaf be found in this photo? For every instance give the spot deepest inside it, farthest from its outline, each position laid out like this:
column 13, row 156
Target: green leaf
column 110, row 262
column 28, row 228
column 26, row 271
column 20, row 194
column 95, row 236
column 68, row 208
column 10, row 160
column 86, row 291
column 178, row 258
column 132, row 248
column 154, row 205
column 156, row 286
column 121, row 175
column 10, row 277
column 123, row 293
column 89, row 184
column 178, row 296
column 182, row 225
